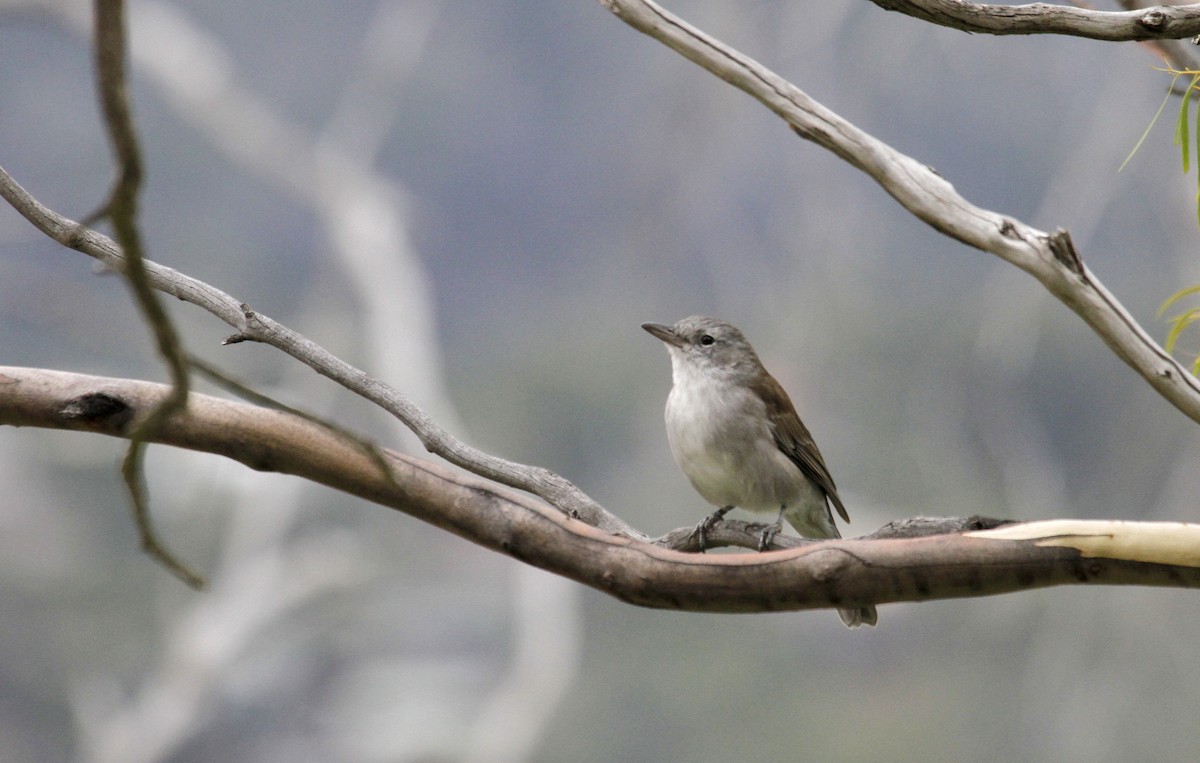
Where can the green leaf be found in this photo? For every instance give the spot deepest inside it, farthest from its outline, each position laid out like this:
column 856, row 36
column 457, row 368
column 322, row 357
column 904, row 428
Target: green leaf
column 1187, row 97
column 1176, row 297
column 1182, row 133
column 1153, row 120
column 1179, row 324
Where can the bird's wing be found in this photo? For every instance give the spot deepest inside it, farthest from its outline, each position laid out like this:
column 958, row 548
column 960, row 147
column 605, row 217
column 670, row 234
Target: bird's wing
column 794, row 440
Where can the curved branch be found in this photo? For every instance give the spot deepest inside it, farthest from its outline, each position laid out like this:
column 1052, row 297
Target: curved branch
column 1051, row 258
column 121, row 208
column 821, row 574
column 1165, row 22
column 254, row 326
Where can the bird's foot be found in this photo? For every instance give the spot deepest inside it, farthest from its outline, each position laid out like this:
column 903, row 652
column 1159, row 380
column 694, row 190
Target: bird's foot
column 706, row 524
column 768, row 534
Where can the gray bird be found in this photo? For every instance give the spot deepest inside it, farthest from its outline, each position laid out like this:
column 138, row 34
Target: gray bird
column 736, row 435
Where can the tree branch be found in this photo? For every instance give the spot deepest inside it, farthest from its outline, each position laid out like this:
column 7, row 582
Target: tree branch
column 1179, row 54
column 254, row 326
column 1163, row 22
column 628, row 566
column 1051, row 258
column 121, row 208
column 909, row 566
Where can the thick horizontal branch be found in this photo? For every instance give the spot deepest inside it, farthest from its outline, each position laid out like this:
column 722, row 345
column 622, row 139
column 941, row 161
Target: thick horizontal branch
column 1165, row 22
column 817, row 575
column 1051, row 258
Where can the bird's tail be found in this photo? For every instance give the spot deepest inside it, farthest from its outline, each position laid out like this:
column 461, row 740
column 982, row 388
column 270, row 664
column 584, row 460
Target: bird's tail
column 820, row 525
column 861, row 616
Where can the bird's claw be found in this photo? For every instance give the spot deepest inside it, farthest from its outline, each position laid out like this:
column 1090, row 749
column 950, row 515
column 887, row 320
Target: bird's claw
column 706, row 524
column 768, row 534
column 701, row 531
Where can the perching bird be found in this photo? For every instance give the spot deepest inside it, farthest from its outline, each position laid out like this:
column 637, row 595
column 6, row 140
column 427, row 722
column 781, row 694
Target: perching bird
column 736, row 435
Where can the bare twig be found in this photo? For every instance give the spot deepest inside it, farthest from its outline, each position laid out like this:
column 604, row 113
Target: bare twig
column 727, row 533
column 1160, row 23
column 121, row 208
column 251, row 325
column 242, row 390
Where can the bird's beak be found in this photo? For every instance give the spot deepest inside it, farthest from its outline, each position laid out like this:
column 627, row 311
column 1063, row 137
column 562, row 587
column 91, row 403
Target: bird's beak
column 664, row 333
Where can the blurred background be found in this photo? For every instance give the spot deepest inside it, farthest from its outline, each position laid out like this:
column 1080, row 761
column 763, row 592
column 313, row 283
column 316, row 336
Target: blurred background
column 479, row 203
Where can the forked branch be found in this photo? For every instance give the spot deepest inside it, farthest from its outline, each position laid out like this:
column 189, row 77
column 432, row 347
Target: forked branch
column 252, row 325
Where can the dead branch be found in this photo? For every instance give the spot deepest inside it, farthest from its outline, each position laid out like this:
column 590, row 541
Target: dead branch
column 1161, row 23
column 254, row 326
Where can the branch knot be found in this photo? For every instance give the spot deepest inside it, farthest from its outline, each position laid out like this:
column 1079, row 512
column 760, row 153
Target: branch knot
column 1155, row 20
column 98, row 409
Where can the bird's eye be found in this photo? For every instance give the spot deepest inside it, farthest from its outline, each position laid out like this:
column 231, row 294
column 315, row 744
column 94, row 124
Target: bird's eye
column 707, row 339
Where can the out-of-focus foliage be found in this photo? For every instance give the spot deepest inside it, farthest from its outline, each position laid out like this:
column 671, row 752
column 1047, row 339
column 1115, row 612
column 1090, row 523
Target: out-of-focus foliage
column 1184, row 137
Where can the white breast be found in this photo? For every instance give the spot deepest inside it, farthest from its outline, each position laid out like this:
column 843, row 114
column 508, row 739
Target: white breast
column 719, row 437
